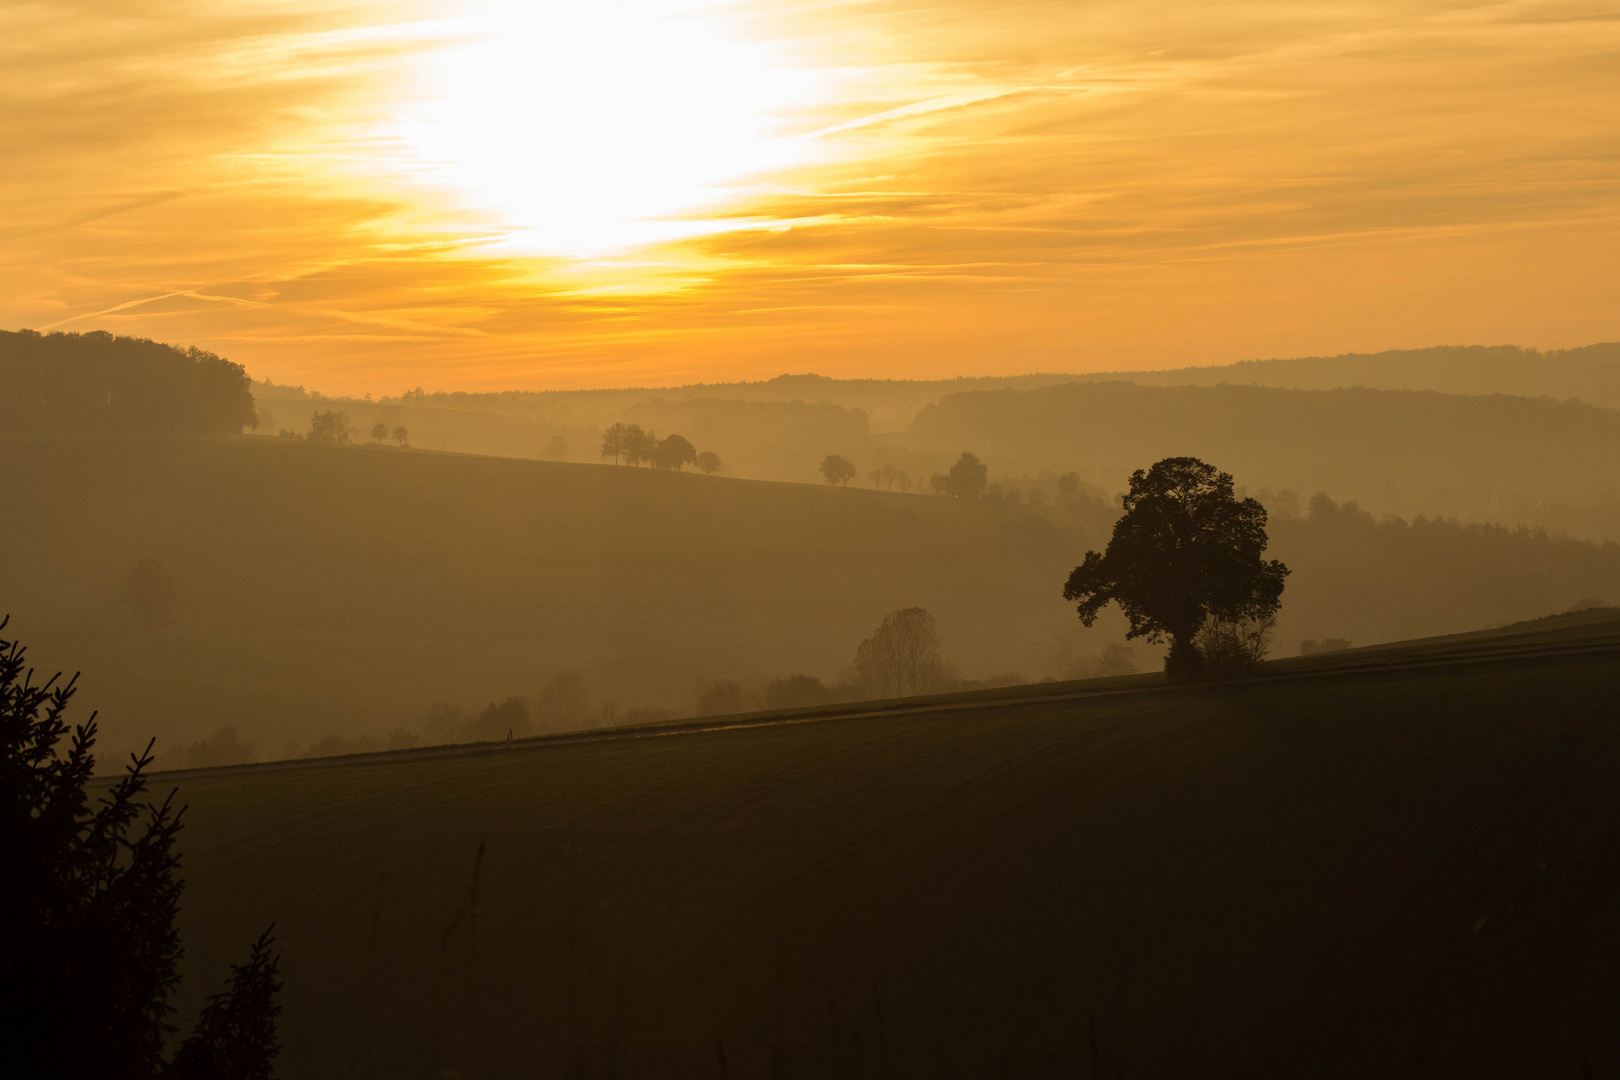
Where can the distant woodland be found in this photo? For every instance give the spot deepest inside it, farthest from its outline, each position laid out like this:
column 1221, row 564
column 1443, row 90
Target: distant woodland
column 97, row 382
column 354, row 587
column 1532, row 443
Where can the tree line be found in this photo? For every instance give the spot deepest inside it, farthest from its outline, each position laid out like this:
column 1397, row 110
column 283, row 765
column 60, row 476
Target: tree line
column 96, row 382
column 629, row 444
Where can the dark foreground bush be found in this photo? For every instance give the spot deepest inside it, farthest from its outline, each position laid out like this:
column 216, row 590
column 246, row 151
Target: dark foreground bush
column 89, row 953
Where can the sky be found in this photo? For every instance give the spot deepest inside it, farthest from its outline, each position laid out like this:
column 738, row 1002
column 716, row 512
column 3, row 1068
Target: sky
column 487, row 194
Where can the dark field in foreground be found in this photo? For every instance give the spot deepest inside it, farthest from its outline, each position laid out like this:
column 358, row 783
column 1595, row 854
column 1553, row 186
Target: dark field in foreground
column 1367, row 872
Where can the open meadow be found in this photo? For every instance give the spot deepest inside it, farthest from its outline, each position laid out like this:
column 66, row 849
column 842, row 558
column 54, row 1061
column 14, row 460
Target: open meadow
column 1401, row 861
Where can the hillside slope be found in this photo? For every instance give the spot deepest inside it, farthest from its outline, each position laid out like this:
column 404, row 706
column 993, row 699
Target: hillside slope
column 324, row 588
column 339, row 590
column 1590, row 373
column 1494, row 458
column 1395, row 870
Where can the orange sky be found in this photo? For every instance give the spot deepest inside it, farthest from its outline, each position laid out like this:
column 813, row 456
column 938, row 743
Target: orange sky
column 491, row 194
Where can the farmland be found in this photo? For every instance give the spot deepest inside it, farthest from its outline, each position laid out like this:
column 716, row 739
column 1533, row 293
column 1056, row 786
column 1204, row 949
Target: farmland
column 1393, row 860
column 344, row 590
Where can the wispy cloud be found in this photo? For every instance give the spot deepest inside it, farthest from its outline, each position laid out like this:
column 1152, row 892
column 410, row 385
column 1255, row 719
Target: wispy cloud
column 973, row 187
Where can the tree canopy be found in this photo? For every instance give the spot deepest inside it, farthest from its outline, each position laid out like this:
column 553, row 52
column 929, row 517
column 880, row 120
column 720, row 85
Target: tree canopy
column 968, row 477
column 837, row 469
column 97, row 382
column 901, row 658
column 674, row 451
column 1185, row 550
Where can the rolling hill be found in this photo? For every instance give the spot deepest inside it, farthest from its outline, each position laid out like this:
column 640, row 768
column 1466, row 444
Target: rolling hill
column 1394, row 861
column 326, row 590
column 1480, row 457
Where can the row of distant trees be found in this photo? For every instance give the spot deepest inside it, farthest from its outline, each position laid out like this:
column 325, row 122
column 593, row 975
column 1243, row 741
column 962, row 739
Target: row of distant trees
column 967, row 479
column 629, row 444
column 332, row 426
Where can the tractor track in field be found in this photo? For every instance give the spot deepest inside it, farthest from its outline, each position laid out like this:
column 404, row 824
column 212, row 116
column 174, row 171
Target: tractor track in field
column 1370, row 660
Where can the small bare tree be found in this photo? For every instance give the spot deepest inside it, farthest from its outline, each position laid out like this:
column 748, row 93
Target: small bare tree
column 901, row 657
column 1233, row 648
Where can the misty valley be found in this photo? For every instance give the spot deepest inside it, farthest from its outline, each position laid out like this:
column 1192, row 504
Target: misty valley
column 748, row 729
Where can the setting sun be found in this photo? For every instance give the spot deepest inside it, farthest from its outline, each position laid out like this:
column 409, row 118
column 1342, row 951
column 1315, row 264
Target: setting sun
column 589, row 128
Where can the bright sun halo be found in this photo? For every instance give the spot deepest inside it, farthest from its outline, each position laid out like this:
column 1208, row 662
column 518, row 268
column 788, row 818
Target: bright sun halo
column 593, row 127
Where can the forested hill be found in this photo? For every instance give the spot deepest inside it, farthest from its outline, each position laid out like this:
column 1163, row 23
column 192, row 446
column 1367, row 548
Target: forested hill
column 97, row 382
column 1481, row 458
column 1590, row 373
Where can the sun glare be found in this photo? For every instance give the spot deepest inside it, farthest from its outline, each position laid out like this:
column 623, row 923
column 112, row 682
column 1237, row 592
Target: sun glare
column 591, row 128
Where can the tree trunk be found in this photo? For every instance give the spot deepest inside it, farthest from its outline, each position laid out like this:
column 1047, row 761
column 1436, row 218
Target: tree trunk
column 1184, row 663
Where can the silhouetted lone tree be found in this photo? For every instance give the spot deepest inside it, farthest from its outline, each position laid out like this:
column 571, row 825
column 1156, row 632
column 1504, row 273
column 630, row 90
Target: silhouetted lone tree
column 836, row 469
column 379, row 432
column 709, row 462
column 968, row 477
column 674, row 451
column 88, row 946
column 901, row 657
column 401, row 436
column 1184, row 550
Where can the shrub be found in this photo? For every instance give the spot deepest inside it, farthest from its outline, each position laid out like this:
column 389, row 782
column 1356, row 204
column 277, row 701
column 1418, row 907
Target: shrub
column 720, row 698
column 795, row 692
column 1233, row 648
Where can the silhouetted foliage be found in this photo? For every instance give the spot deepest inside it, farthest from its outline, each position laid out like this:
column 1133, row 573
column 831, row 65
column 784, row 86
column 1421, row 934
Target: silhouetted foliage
column 901, row 657
column 1114, row 659
column 836, row 469
column 564, row 703
column 97, row 382
column 709, row 462
column 639, row 445
column 446, row 723
column 1233, row 648
column 796, row 692
column 674, row 451
column 939, row 483
column 88, row 947
column 329, row 426
column 379, row 432
column 400, row 436
column 1184, row 550
column 888, row 478
column 235, row 1037
column 497, row 719
column 149, row 591
column 968, row 477
column 223, row 747
column 720, row 698
column 613, row 441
